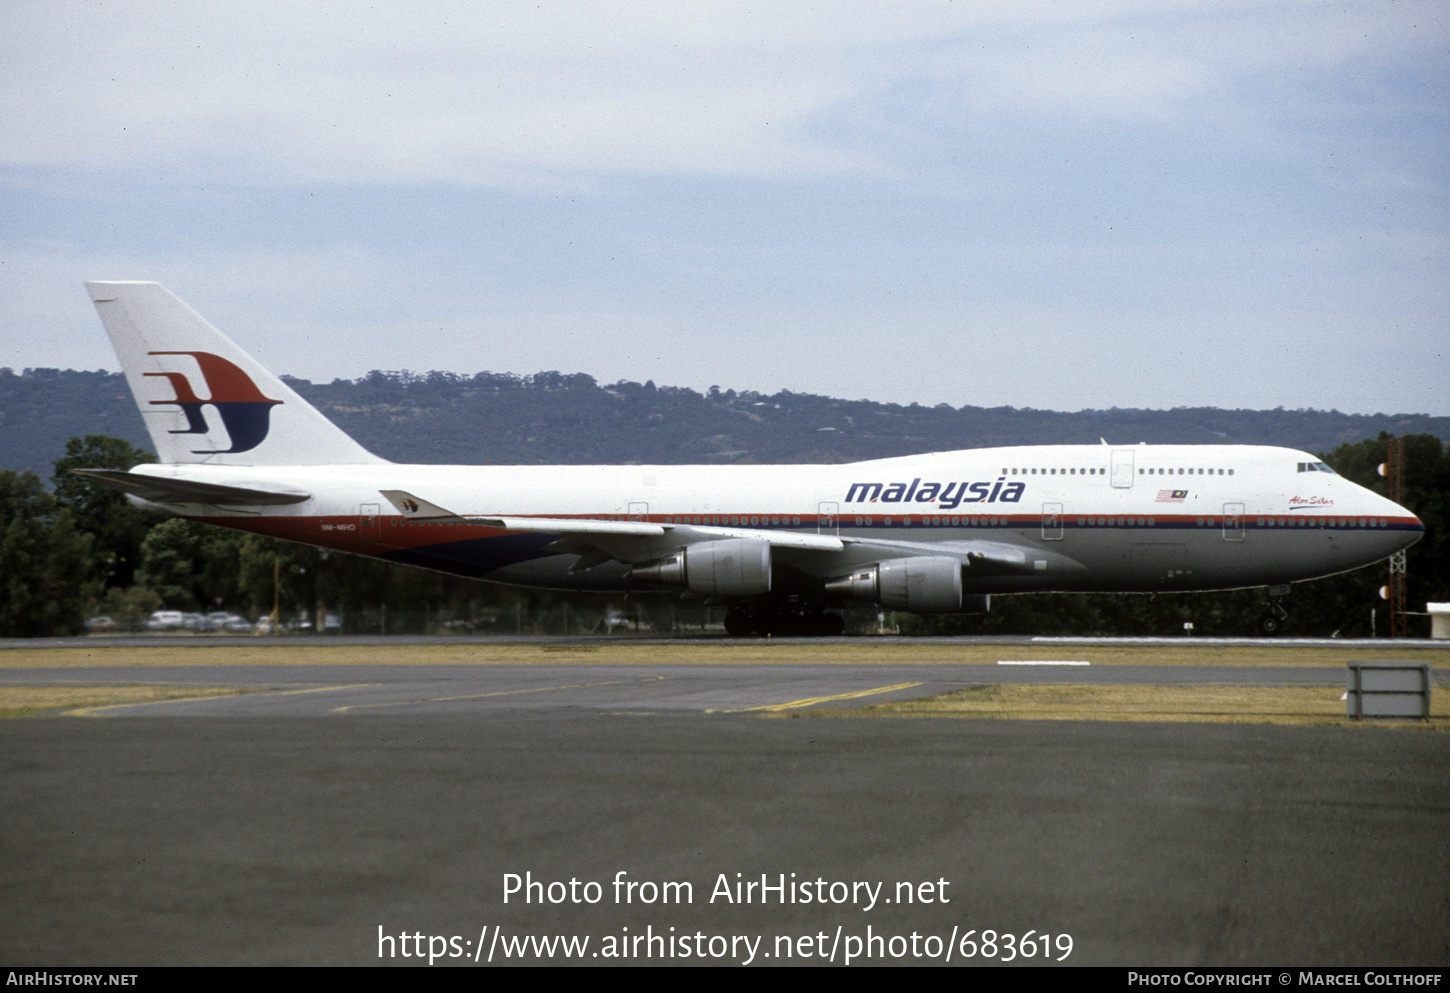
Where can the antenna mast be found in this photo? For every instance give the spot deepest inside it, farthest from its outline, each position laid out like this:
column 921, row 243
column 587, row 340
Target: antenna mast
column 1394, row 472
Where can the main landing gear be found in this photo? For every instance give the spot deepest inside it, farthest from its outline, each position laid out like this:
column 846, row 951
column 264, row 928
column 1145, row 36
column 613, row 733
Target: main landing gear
column 740, row 623
column 1272, row 621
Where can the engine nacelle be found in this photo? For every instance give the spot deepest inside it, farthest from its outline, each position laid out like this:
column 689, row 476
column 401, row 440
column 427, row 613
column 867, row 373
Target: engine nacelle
column 731, row 567
column 922, row 584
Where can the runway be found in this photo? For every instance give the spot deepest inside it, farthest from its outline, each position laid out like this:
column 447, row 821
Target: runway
column 299, row 691
column 291, row 822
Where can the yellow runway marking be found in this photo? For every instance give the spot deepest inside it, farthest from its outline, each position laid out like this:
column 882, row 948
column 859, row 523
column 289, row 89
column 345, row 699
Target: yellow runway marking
column 811, row 701
column 481, row 696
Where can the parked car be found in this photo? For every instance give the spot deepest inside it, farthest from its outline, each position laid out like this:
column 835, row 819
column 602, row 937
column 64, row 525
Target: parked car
column 166, row 620
column 221, row 620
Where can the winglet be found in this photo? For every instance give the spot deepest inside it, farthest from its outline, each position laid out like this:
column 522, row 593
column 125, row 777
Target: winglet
column 415, row 508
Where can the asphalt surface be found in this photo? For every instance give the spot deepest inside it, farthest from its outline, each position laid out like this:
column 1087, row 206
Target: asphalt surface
column 304, row 690
column 335, row 809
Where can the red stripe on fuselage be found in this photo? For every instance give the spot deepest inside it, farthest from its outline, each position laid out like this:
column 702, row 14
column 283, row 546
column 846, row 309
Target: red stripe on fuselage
column 349, row 533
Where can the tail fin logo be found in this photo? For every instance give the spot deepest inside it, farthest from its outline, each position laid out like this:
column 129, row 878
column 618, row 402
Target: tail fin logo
column 244, row 410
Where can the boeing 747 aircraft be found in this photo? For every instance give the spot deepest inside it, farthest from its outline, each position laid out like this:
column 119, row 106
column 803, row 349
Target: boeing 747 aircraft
column 782, row 545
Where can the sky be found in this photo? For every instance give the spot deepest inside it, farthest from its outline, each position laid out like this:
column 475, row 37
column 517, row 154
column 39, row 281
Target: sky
column 1054, row 205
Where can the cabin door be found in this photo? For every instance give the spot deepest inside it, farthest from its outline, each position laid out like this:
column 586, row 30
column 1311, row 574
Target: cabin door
column 1052, row 522
column 1233, row 522
column 1122, row 468
column 368, row 528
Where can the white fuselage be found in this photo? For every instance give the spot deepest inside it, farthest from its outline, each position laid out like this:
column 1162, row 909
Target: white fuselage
column 1139, row 518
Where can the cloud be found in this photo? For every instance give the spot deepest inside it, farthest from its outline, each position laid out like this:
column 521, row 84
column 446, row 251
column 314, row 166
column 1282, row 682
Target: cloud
column 906, row 194
column 508, row 93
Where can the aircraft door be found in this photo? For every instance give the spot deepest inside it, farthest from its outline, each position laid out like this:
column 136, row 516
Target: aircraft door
column 1052, row 522
column 827, row 517
column 1122, row 468
column 1233, row 522
column 639, row 511
column 368, row 522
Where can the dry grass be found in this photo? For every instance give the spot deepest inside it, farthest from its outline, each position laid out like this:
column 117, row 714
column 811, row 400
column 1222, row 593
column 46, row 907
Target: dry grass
column 1207, row 704
column 27, row 701
column 199, row 652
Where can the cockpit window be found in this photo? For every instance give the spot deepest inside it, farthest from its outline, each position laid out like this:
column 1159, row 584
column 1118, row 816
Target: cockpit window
column 1315, row 467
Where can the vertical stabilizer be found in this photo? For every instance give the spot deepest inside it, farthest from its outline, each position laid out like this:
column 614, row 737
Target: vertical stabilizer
column 204, row 399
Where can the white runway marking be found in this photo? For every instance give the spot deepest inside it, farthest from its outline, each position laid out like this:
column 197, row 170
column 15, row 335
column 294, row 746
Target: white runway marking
column 1040, row 662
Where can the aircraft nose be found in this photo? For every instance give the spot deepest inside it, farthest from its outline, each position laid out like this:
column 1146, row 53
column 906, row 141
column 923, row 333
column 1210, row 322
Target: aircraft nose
column 1408, row 528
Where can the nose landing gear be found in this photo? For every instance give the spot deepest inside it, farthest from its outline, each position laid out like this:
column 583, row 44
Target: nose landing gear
column 1274, row 617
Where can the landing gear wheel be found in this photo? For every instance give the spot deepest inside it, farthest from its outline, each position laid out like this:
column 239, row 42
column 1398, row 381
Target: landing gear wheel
column 738, row 624
column 1272, row 621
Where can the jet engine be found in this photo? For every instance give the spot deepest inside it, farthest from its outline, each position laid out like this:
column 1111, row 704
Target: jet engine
column 922, row 584
column 730, row 567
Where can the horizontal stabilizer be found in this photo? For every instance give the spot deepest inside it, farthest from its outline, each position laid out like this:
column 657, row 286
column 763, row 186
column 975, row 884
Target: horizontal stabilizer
column 162, row 489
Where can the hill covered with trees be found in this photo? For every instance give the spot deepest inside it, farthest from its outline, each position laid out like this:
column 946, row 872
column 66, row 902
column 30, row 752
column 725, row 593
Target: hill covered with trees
column 553, row 418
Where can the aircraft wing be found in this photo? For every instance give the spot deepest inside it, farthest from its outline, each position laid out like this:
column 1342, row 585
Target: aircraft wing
column 632, row 541
column 732, row 562
column 416, row 508
column 978, row 555
column 686, row 533
column 164, row 489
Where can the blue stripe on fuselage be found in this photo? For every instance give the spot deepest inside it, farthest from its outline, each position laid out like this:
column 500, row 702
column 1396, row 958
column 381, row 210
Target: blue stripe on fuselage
column 475, row 557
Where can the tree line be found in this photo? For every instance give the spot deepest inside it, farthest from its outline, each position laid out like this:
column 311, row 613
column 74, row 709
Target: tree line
column 551, row 418
column 76, row 550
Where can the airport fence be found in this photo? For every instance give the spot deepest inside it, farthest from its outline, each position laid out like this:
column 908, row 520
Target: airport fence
column 556, row 619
